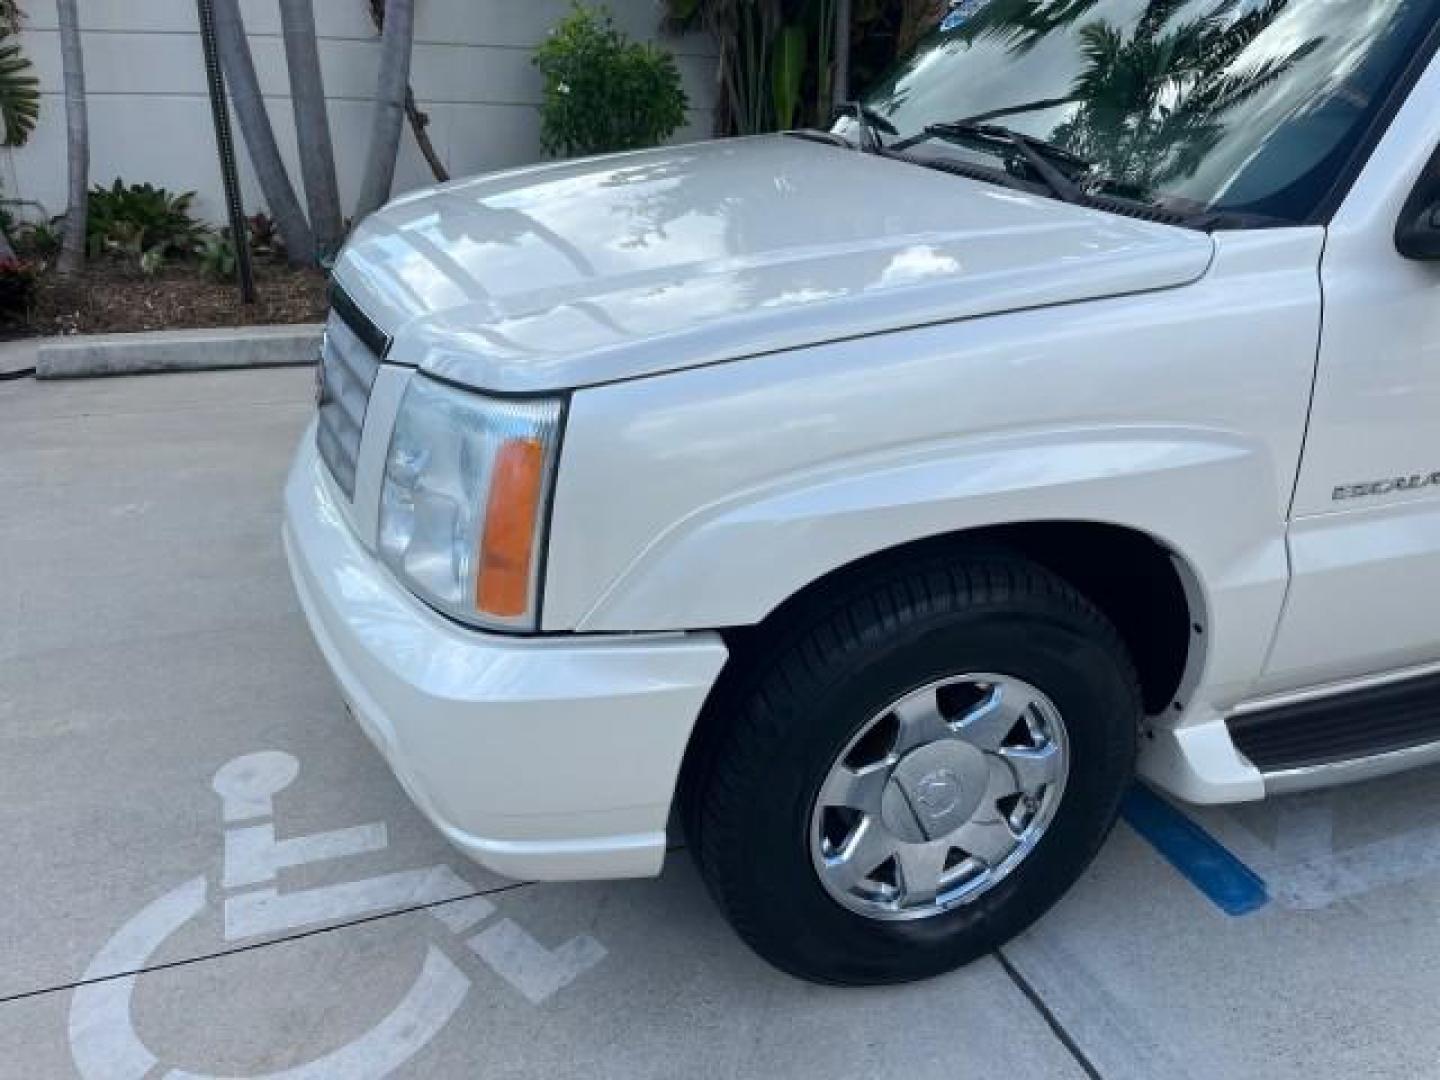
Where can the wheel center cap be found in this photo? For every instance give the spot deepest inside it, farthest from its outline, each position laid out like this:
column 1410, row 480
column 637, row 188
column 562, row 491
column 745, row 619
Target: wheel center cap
column 937, row 792
column 934, row 790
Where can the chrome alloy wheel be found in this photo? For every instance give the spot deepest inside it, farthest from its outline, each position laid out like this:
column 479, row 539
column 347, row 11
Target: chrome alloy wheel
column 939, row 796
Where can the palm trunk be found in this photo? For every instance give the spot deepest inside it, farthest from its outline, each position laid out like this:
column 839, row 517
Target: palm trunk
column 396, row 40
column 72, row 64
column 312, row 123
column 249, row 104
column 419, row 121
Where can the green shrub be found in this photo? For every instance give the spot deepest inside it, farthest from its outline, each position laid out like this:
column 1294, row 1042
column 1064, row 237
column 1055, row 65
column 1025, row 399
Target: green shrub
column 143, row 222
column 218, row 258
column 604, row 92
column 36, row 239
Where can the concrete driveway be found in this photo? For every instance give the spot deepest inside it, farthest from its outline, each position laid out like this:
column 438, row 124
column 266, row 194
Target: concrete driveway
column 208, row 870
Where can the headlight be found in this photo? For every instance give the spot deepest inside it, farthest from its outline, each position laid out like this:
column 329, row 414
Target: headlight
column 463, row 504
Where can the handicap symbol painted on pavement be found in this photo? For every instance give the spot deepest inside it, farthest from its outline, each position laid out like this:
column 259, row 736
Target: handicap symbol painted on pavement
column 103, row 1039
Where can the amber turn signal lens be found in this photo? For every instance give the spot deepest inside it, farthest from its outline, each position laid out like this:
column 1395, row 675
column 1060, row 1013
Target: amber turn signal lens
column 502, row 586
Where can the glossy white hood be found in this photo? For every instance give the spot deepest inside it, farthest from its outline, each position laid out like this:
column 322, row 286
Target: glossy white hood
column 587, row 272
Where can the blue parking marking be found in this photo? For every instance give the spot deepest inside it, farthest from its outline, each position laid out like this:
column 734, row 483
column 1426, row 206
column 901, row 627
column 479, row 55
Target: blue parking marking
column 1206, row 863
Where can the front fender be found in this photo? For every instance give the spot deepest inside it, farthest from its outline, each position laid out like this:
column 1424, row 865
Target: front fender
column 732, row 563
column 707, row 497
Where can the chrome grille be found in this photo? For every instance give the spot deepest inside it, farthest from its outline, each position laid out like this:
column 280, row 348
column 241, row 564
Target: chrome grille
column 348, row 366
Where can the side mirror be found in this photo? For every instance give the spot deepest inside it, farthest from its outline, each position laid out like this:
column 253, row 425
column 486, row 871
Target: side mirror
column 1417, row 236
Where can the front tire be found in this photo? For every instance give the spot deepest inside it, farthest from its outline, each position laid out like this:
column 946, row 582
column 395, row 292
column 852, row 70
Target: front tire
column 912, row 769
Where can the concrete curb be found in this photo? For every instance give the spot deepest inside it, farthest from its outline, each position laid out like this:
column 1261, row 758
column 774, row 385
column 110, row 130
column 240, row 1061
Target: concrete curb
column 90, row 355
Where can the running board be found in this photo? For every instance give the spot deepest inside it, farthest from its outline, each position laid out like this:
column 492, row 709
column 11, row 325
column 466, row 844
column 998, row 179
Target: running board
column 1349, row 736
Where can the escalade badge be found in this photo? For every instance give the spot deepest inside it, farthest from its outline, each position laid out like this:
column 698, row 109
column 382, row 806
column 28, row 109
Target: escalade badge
column 1385, row 487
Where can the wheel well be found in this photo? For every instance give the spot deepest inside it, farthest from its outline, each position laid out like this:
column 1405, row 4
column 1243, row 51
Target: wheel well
column 1130, row 576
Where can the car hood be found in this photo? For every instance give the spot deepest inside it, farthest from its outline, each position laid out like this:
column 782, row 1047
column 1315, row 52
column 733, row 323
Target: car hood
column 585, row 272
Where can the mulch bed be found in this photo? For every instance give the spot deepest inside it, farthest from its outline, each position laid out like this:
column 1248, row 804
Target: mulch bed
column 111, row 296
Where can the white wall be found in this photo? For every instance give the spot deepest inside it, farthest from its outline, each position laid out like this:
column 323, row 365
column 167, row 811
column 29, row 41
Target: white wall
column 150, row 114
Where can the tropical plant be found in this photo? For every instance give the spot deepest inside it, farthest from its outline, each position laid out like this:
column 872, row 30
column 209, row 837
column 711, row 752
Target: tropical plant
column 77, row 125
column 36, row 240
column 19, row 93
column 747, row 34
column 397, row 36
column 885, row 31
column 789, row 63
column 604, row 92
column 312, row 124
column 19, row 96
column 218, row 258
column 255, row 128
column 141, row 221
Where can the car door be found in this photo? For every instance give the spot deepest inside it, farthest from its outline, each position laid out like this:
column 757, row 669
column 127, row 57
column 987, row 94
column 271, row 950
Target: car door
column 1365, row 529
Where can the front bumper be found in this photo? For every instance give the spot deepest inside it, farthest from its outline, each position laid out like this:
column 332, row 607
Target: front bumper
column 541, row 758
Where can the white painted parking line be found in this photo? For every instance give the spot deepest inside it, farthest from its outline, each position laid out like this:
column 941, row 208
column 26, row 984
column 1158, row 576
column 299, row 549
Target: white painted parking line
column 537, row 972
column 269, row 911
column 102, row 1039
column 253, row 855
column 247, row 786
column 432, row 1000
column 460, row 915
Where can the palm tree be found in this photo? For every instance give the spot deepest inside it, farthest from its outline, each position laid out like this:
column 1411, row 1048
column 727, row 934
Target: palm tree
column 396, row 41
column 746, row 32
column 19, row 98
column 72, row 65
column 245, row 96
column 312, row 124
column 419, row 121
column 19, row 93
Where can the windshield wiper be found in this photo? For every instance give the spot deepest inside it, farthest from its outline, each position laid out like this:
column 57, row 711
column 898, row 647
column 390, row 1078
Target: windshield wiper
column 1087, row 187
column 1039, row 154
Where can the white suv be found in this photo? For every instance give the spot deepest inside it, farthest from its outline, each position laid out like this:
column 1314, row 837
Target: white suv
column 883, row 498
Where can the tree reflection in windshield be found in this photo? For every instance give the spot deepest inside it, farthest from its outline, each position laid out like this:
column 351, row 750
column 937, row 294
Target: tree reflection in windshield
column 1153, row 103
column 1248, row 105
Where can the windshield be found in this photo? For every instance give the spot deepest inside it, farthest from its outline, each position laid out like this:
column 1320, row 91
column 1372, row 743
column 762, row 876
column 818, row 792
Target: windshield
column 1243, row 106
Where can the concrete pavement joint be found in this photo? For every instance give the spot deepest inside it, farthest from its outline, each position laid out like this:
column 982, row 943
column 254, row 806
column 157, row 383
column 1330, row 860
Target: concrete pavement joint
column 222, row 953
column 1051, row 1020
column 219, row 954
